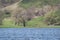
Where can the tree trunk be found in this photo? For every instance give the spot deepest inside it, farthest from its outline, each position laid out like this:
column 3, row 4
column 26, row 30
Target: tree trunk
column 0, row 22
column 24, row 23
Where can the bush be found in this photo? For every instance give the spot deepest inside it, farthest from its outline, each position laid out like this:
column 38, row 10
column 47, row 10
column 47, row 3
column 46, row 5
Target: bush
column 53, row 18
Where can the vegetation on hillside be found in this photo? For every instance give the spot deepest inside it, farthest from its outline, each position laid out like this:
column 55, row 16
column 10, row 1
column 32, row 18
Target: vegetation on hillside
column 4, row 3
column 53, row 18
column 38, row 3
column 31, row 13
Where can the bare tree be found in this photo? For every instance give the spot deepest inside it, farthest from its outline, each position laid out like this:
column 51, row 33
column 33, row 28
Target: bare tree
column 20, row 16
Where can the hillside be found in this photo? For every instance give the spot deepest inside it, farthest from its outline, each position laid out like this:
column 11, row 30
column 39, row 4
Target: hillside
column 29, row 3
column 39, row 3
column 30, row 13
column 4, row 3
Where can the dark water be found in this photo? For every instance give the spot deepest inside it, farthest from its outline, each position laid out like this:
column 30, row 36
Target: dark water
column 29, row 33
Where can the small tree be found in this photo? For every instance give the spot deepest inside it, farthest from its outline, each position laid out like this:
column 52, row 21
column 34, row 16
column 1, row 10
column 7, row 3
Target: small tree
column 20, row 16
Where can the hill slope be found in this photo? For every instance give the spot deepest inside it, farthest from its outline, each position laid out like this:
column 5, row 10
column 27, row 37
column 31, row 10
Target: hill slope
column 4, row 3
column 38, row 3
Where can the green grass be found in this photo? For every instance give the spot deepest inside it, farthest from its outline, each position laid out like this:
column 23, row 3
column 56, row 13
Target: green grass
column 34, row 23
column 38, row 3
column 39, row 23
column 29, row 3
column 9, row 24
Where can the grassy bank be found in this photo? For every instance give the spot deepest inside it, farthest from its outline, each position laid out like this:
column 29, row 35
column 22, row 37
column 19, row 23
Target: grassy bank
column 34, row 23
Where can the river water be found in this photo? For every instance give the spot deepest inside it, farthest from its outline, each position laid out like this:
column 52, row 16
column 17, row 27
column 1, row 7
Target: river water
column 29, row 33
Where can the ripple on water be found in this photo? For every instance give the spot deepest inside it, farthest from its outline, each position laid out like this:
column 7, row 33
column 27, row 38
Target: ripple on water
column 29, row 33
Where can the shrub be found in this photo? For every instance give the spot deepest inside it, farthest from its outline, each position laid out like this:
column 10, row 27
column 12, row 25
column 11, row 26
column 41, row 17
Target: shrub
column 53, row 18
